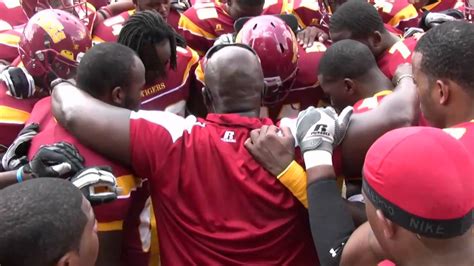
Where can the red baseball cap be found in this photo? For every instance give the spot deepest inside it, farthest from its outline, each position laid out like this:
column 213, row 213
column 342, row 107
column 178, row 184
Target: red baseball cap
column 422, row 179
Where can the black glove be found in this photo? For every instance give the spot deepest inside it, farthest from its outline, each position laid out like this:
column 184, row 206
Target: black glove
column 16, row 154
column 61, row 160
column 98, row 184
column 20, row 83
column 433, row 19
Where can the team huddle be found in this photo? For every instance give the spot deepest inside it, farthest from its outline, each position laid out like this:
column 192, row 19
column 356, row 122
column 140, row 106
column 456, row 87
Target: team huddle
column 236, row 132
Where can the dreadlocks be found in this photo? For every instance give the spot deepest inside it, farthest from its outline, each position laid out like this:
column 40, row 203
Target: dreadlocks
column 148, row 27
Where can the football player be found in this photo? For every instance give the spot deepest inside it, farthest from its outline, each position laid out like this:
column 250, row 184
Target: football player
column 52, row 43
column 63, row 223
column 168, row 66
column 112, row 73
column 290, row 70
column 360, row 21
column 204, row 22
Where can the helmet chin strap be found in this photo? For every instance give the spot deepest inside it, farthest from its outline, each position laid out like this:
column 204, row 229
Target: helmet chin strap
column 282, row 93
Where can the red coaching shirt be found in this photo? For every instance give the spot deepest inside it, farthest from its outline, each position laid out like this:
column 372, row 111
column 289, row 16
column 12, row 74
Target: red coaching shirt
column 214, row 204
column 463, row 132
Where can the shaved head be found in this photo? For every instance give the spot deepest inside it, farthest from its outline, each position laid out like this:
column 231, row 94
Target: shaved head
column 234, row 78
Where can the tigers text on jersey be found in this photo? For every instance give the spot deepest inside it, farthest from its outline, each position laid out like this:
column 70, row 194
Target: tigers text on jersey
column 214, row 204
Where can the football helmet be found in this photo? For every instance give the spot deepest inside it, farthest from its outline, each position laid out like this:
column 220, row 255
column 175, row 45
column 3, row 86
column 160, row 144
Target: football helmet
column 79, row 8
column 277, row 48
column 52, row 44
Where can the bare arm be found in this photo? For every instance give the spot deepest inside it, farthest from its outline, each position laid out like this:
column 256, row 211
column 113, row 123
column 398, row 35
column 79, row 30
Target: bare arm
column 101, row 126
column 399, row 109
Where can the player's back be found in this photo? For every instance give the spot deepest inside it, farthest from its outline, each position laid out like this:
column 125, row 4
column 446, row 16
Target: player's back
column 201, row 24
column 113, row 218
column 12, row 12
column 396, row 55
column 214, row 204
column 13, row 115
column 109, row 29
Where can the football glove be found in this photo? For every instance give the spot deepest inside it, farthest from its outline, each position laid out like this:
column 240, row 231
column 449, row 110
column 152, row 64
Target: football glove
column 98, row 184
column 180, row 5
column 60, row 160
column 16, row 154
column 321, row 128
column 433, row 19
column 19, row 82
column 227, row 38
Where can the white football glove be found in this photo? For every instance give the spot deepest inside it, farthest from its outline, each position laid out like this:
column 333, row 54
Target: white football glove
column 98, row 184
column 321, row 128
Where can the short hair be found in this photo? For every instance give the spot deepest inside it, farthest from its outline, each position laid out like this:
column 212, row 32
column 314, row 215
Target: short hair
column 104, row 67
column 358, row 17
column 253, row 3
column 41, row 220
column 148, row 27
column 448, row 52
column 346, row 59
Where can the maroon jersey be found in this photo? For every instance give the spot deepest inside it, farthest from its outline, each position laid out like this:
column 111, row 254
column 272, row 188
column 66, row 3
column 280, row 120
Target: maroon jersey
column 311, row 13
column 12, row 14
column 13, row 115
column 465, row 133
column 396, row 55
column 171, row 93
column 114, row 216
column 9, row 42
column 214, row 204
column 205, row 21
column 109, row 29
column 401, row 14
column 306, row 90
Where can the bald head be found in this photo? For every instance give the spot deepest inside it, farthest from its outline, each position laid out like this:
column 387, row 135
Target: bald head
column 234, row 78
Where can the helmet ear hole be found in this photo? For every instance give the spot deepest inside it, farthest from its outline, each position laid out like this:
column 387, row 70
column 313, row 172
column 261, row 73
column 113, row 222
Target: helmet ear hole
column 255, row 26
column 282, row 48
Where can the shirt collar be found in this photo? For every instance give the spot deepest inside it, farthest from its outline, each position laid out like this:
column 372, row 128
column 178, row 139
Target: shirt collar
column 237, row 120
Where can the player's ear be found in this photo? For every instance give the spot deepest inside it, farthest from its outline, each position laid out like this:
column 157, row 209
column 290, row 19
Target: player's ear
column 69, row 259
column 442, row 88
column 388, row 228
column 349, row 86
column 118, row 96
column 375, row 40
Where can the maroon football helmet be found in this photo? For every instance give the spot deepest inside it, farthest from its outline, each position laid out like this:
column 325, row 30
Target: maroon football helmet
column 52, row 44
column 277, row 48
column 79, row 8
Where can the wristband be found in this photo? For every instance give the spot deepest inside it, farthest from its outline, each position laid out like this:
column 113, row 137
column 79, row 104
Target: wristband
column 19, row 174
column 317, row 158
column 286, row 169
column 404, row 76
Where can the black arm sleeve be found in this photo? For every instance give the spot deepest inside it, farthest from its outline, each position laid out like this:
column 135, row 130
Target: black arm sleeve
column 331, row 221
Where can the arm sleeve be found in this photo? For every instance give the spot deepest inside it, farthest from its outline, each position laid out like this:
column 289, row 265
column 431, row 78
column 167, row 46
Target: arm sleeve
column 330, row 220
column 152, row 135
column 294, row 179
